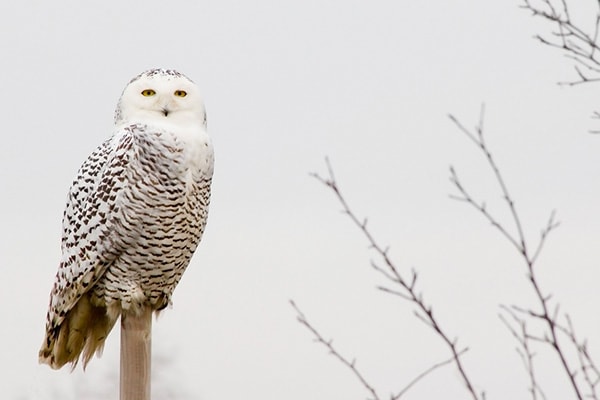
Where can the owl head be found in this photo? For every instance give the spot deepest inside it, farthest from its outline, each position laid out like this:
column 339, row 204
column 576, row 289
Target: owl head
column 160, row 95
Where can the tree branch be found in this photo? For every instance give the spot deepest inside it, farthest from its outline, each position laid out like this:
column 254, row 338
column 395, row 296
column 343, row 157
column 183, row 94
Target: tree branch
column 329, row 345
column 406, row 285
column 352, row 364
column 548, row 315
column 575, row 42
column 523, row 338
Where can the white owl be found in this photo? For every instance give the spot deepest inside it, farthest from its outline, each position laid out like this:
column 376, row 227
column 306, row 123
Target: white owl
column 134, row 216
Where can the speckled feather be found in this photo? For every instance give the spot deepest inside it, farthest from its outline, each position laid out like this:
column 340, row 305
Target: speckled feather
column 135, row 214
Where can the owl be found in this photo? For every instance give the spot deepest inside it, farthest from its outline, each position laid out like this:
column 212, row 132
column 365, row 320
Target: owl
column 135, row 214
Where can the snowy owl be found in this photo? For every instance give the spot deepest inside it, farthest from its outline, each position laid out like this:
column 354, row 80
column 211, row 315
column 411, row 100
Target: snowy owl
column 135, row 214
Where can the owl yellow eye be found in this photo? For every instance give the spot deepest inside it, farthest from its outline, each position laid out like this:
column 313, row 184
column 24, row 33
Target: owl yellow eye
column 180, row 93
column 148, row 92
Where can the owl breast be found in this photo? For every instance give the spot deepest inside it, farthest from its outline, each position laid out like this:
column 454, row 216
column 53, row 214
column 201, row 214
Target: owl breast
column 160, row 217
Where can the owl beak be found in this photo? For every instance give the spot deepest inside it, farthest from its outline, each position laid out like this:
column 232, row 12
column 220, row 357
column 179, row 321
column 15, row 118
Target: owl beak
column 165, row 111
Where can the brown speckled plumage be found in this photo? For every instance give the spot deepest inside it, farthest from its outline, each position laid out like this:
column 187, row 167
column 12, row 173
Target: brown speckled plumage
column 135, row 214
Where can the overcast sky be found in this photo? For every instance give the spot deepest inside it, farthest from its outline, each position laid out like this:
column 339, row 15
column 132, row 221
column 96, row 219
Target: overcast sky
column 368, row 84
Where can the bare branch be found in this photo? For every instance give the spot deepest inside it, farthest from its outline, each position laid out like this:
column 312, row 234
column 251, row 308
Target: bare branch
column 352, row 364
column 425, row 373
column 525, row 351
column 405, row 284
column 548, row 314
column 329, row 345
column 588, row 368
column 394, row 292
column 570, row 38
column 466, row 197
column 551, row 225
column 578, row 44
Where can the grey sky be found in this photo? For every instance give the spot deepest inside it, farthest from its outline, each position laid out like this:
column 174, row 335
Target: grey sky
column 370, row 85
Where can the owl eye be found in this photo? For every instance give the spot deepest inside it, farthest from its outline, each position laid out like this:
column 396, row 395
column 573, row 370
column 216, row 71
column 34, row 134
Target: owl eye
column 148, row 92
column 180, row 93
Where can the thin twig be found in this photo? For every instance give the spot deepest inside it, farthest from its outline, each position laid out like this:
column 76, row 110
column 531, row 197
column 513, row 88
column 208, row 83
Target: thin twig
column 352, row 364
column 574, row 41
column 425, row 373
column 406, row 285
column 526, row 353
column 590, row 372
column 329, row 344
column 548, row 314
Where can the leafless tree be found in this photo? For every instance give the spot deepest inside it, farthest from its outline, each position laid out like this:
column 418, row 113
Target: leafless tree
column 553, row 327
column 570, row 36
column 351, row 364
column 577, row 40
column 403, row 285
column 541, row 326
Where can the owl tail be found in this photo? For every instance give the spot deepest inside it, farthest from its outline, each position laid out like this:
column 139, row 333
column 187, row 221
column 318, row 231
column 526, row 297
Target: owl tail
column 81, row 333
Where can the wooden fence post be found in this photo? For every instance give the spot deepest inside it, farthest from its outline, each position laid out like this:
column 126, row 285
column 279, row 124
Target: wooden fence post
column 136, row 340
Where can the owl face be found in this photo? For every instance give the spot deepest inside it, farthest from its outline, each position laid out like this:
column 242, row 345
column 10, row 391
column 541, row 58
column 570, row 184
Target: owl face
column 160, row 96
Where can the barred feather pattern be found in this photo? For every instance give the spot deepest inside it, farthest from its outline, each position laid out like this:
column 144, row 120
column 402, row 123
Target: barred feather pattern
column 134, row 216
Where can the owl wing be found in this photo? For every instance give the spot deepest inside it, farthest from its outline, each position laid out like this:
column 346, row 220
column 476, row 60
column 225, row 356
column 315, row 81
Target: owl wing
column 89, row 234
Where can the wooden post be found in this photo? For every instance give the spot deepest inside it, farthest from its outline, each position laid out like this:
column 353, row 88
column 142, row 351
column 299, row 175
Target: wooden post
column 136, row 335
